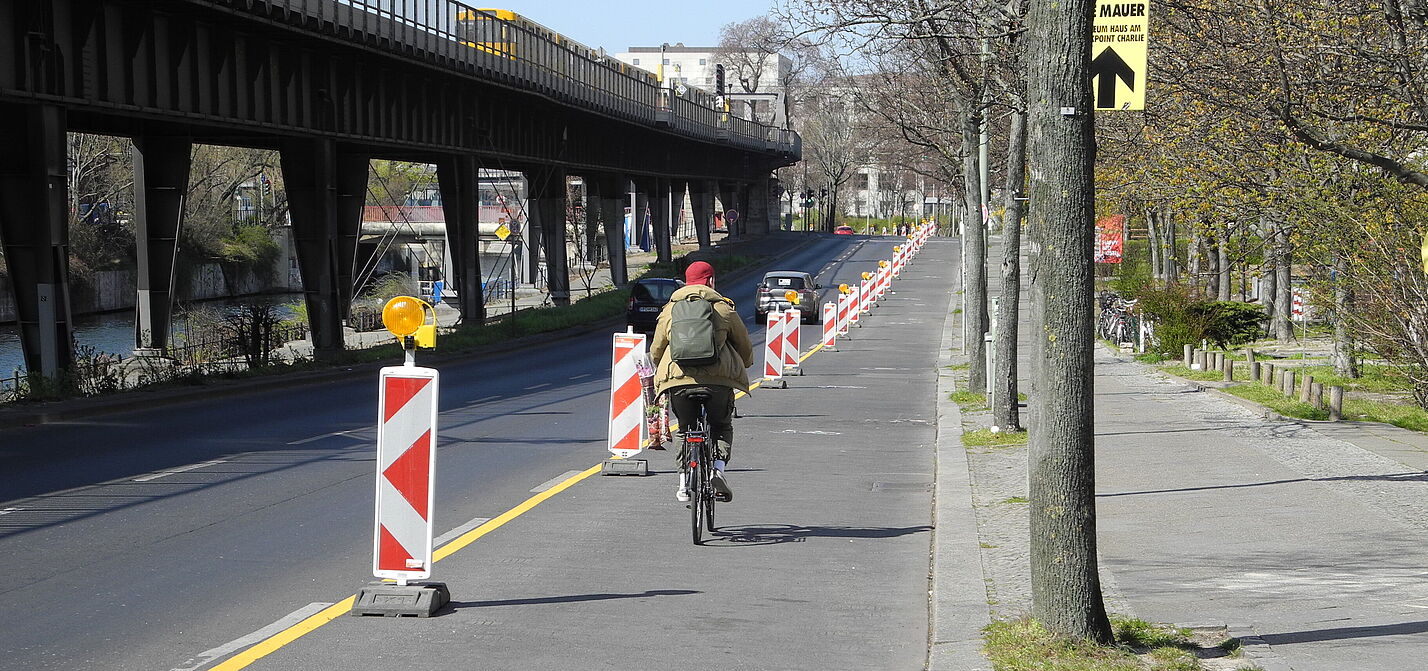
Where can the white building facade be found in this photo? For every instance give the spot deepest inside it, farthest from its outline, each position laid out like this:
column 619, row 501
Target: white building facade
column 694, row 66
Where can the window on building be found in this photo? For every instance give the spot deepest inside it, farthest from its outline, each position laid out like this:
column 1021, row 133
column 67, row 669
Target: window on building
column 701, row 61
column 666, row 61
column 637, row 61
column 862, row 181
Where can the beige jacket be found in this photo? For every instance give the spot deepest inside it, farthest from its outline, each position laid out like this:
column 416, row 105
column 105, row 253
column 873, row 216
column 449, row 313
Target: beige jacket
column 736, row 351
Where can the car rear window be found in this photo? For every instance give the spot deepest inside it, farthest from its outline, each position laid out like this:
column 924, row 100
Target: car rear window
column 784, row 282
column 659, row 291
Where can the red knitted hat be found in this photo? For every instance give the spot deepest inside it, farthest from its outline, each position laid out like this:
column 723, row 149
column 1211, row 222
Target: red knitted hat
column 698, row 272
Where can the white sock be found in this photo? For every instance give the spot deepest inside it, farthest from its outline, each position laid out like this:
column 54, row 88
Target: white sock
column 719, row 465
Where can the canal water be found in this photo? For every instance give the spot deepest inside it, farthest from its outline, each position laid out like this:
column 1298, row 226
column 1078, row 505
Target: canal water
column 113, row 333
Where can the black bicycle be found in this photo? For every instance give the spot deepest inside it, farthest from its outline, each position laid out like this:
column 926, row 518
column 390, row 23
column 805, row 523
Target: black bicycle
column 699, row 469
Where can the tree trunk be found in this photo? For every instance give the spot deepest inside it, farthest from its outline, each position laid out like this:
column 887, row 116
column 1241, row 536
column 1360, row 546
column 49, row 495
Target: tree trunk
column 1222, row 264
column 1192, row 257
column 1268, row 292
column 1005, row 413
column 1167, row 230
column 1065, row 585
column 1153, row 242
column 975, row 243
column 1345, row 363
column 1281, row 322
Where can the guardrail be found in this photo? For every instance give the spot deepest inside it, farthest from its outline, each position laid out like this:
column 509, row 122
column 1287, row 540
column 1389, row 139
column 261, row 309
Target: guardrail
column 517, row 53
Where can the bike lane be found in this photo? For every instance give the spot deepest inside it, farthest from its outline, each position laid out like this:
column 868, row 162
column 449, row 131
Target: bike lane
column 821, row 561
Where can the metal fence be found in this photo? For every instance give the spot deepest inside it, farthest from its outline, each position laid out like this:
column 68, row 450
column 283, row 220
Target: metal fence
column 519, row 53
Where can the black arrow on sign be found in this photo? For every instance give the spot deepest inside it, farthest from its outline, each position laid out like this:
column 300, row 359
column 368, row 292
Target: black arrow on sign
column 1109, row 66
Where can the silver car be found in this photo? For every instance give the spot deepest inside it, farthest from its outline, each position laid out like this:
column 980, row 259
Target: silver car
column 777, row 283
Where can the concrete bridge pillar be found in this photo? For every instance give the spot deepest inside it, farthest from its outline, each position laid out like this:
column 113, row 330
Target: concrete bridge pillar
column 607, row 195
column 729, row 200
column 461, row 202
column 678, row 191
column 326, row 191
column 762, row 206
column 660, row 218
column 161, row 168
column 640, row 218
column 34, row 229
column 701, row 198
column 547, row 214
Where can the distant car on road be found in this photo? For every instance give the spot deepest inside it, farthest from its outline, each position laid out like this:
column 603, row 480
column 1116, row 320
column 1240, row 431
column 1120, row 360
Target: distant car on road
column 777, row 283
column 843, row 230
column 647, row 297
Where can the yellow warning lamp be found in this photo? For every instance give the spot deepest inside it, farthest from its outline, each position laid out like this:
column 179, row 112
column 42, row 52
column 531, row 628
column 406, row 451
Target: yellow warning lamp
column 867, row 275
column 896, row 249
column 406, row 316
column 844, row 289
column 882, row 264
column 791, row 296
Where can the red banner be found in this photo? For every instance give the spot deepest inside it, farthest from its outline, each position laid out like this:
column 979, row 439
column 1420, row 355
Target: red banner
column 1110, row 240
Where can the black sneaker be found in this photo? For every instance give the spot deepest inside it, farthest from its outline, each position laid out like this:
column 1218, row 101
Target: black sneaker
column 722, row 493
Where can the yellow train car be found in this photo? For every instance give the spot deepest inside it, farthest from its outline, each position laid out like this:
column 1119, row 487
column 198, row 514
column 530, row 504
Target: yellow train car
column 506, row 33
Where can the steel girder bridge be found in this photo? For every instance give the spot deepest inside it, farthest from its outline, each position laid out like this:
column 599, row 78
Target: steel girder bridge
column 331, row 84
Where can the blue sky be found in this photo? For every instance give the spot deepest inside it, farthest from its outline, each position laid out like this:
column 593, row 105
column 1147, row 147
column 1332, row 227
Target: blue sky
column 640, row 23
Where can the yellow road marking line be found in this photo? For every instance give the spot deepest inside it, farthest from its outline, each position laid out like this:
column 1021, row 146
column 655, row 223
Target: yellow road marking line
column 286, row 636
column 275, row 642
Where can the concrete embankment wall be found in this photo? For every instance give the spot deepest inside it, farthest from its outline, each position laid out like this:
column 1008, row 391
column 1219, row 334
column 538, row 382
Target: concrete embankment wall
column 110, row 290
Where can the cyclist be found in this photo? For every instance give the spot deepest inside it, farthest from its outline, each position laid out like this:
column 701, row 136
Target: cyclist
column 719, row 380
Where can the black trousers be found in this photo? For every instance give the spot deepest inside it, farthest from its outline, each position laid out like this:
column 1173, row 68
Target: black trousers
column 720, row 411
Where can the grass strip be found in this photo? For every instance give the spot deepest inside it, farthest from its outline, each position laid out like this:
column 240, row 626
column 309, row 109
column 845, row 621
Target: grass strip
column 1025, row 645
column 988, row 438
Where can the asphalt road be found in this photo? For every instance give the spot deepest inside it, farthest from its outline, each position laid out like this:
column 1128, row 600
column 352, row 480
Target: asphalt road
column 151, row 540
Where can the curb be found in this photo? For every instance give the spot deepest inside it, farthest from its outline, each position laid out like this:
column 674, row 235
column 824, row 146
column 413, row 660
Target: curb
column 1258, row 652
column 958, row 595
column 49, row 412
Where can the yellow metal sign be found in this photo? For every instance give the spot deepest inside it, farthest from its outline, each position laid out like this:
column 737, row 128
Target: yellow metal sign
column 503, row 231
column 1119, row 37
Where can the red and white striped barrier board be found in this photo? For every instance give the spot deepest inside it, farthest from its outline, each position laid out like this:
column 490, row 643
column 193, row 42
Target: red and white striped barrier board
column 845, row 312
column 865, row 297
column 406, row 469
column 627, row 397
column 773, row 346
column 792, row 327
column 830, row 326
column 898, row 257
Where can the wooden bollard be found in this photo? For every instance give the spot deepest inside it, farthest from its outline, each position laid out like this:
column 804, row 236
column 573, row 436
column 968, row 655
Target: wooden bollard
column 1316, row 395
column 1199, row 361
column 1306, row 386
column 1228, row 366
column 1268, row 379
column 1336, row 403
column 1189, row 354
column 1287, row 382
column 1254, row 371
column 1218, row 361
column 1249, row 355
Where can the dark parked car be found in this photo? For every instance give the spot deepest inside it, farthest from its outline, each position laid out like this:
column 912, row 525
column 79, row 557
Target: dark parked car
column 647, row 298
column 777, row 283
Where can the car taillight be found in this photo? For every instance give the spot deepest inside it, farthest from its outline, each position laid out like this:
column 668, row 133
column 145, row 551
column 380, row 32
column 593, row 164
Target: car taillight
column 631, row 304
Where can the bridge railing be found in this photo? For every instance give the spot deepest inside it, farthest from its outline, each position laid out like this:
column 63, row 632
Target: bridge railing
column 517, row 52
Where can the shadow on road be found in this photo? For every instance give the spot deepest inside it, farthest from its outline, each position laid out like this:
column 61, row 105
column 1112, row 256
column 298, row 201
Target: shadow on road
column 1340, row 633
column 570, row 598
column 1411, row 476
column 770, row 534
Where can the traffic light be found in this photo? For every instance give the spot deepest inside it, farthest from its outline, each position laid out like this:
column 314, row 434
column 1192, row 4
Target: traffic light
column 718, row 79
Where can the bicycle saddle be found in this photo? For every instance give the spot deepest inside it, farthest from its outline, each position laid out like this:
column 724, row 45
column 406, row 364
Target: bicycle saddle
column 699, row 397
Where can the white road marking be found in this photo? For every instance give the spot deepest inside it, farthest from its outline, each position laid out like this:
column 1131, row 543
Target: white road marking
column 317, row 438
column 454, row 533
column 206, row 657
column 7, row 511
column 577, row 377
column 813, row 433
column 554, row 481
column 488, row 398
column 538, row 386
column 836, row 386
column 180, row 469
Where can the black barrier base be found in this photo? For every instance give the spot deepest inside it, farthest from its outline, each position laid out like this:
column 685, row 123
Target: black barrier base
column 625, row 467
column 413, row 600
